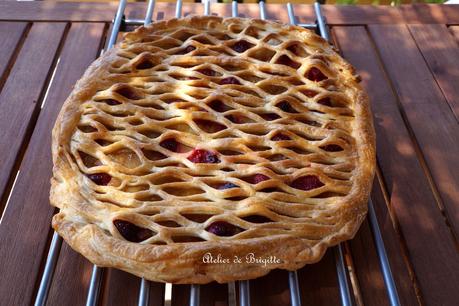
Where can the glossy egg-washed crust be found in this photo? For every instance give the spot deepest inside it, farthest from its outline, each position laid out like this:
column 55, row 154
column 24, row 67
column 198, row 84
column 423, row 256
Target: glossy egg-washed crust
column 304, row 223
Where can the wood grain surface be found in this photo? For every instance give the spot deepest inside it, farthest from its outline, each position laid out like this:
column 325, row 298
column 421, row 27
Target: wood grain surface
column 407, row 58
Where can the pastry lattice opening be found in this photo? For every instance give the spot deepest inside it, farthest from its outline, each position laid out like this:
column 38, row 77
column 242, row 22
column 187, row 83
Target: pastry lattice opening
column 219, row 131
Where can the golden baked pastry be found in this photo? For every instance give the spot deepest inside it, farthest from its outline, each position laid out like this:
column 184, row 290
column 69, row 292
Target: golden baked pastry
column 200, row 139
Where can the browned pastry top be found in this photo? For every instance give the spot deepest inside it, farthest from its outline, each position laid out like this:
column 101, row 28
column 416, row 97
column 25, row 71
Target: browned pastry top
column 206, row 135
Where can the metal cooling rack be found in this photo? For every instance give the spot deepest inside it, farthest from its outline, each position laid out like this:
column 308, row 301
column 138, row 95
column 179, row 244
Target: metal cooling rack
column 244, row 286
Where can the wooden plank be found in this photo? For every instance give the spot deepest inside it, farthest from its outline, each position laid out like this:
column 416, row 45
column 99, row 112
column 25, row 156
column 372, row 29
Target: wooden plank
column 28, row 77
column 433, row 252
column 84, row 11
column 434, row 124
column 212, row 294
column 57, row 11
column 71, row 279
column 363, row 14
column 26, row 222
column 122, row 289
column 430, row 13
column 11, row 34
column 356, row 46
column 440, row 51
column 80, row 49
column 319, row 283
column 270, row 290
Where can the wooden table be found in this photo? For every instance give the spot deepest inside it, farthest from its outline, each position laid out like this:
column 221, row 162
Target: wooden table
column 408, row 58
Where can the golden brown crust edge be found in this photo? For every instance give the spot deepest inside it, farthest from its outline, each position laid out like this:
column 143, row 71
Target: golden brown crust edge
column 182, row 263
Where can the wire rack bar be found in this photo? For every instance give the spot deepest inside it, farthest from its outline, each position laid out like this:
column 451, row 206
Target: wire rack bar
column 382, row 256
column 194, row 295
column 339, row 260
column 323, row 29
column 234, row 10
column 149, row 14
column 117, row 23
column 262, row 6
column 178, row 9
column 144, row 293
column 342, row 277
column 48, row 272
column 94, row 286
column 244, row 293
column 291, row 14
column 206, row 7
column 295, row 298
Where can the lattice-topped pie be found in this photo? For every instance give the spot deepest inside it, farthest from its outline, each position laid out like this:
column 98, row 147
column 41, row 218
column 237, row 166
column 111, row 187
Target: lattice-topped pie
column 205, row 136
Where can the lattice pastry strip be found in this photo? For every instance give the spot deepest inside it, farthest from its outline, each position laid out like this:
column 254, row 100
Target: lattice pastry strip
column 202, row 134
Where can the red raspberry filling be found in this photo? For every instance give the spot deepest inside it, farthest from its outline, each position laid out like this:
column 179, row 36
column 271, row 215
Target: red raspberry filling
column 100, row 178
column 203, row 156
column 230, row 80
column 222, row 228
column 332, row 148
column 111, row 102
column 287, row 61
column 280, row 136
column 256, row 178
column 325, row 101
column 132, row 232
column 170, row 144
column 314, row 74
column 270, row 116
column 286, row 107
column 309, row 93
column 307, row 182
column 207, row 71
column 241, row 46
column 209, row 126
column 188, row 49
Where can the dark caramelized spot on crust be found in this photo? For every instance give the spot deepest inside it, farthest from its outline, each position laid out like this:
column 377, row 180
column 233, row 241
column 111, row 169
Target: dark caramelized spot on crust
column 153, row 155
column 286, row 107
column 111, row 102
column 256, row 219
column 280, row 136
column 241, row 46
column 203, row 156
column 307, row 182
column 132, row 232
column 101, row 179
column 270, row 116
column 222, row 228
column 207, row 71
column 332, row 148
column 287, row 61
column 256, row 178
column 314, row 74
column 309, row 93
column 170, row 144
column 209, row 126
column 230, row 80
column 325, row 101
column 144, row 64
column 188, row 49
column 128, row 93
column 219, row 106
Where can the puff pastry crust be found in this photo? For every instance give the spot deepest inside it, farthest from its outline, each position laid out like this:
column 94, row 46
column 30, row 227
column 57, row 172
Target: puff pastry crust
column 212, row 135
